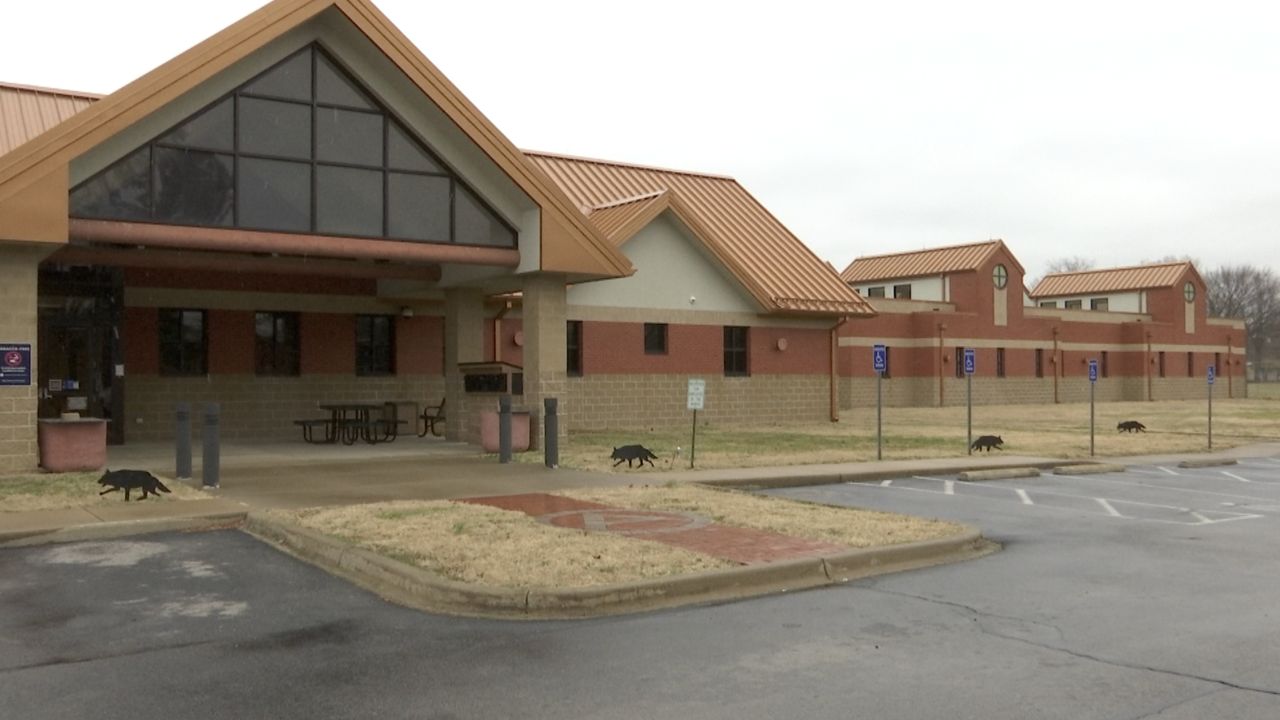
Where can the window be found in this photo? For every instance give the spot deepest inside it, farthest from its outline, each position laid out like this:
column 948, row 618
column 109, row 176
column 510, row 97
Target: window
column 902, row 292
column 655, row 338
column 1189, row 292
column 877, row 291
column 300, row 148
column 1039, row 362
column 573, row 348
column 1073, row 304
column 1160, row 362
column 275, row 343
column 1191, row 364
column 1000, row 276
column 735, row 350
column 960, row 362
column 1098, row 303
column 375, row 344
column 1105, row 369
column 1049, row 303
column 999, row 362
column 184, row 346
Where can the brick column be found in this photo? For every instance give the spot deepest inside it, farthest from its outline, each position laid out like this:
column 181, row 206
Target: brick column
column 18, row 404
column 463, row 342
column 544, row 350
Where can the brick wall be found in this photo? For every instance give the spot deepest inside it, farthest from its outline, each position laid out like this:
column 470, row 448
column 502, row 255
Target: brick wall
column 630, row 401
column 19, row 451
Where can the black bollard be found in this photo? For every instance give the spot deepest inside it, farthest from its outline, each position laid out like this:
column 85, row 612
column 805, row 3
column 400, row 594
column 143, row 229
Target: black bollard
column 504, row 429
column 551, row 436
column 210, row 456
column 182, row 440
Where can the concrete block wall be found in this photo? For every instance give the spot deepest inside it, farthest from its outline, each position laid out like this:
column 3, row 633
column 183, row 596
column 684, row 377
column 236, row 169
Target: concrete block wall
column 261, row 408
column 19, row 450
column 633, row 401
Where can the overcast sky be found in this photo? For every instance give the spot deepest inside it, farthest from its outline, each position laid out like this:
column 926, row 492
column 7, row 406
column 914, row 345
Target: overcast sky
column 1120, row 132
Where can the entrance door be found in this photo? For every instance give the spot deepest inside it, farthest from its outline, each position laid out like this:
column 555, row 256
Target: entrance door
column 79, row 346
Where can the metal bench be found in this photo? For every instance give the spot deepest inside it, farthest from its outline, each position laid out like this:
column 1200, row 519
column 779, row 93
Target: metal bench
column 308, row 430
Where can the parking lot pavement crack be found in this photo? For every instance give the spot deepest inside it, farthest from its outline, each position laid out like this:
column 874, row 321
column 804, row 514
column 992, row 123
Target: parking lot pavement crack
column 1178, row 703
column 59, row 661
column 994, row 629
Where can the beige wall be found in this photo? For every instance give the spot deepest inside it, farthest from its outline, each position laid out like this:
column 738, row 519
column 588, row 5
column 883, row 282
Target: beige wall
column 18, row 279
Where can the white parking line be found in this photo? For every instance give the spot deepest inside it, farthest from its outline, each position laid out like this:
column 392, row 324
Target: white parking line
column 949, row 487
column 1234, row 476
column 1140, row 471
column 1167, row 470
column 1107, row 506
column 1026, row 499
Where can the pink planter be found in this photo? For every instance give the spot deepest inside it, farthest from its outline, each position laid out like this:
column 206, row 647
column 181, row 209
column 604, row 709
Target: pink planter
column 67, row 445
column 489, row 431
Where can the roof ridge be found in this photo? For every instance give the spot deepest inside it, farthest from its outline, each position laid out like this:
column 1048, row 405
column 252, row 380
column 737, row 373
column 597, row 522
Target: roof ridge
column 993, row 241
column 628, row 200
column 1140, row 266
column 50, row 91
column 618, row 163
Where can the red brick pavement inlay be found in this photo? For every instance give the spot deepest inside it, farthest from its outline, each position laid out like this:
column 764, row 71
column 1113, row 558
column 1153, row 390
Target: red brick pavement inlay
column 687, row 530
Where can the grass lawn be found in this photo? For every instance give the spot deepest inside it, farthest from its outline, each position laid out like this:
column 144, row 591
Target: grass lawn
column 49, row 491
column 1055, row 431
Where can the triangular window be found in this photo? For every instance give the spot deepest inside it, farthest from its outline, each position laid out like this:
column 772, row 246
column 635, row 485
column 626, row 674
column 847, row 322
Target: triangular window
column 301, row 148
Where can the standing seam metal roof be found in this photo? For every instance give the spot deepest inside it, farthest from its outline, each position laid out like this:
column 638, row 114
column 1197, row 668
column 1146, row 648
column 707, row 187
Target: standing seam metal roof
column 1139, row 277
column 780, row 270
column 27, row 111
column 921, row 263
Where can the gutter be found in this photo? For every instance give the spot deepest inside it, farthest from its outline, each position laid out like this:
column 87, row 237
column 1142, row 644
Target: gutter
column 834, row 380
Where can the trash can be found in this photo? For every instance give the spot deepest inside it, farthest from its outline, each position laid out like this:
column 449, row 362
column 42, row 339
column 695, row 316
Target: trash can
column 519, row 430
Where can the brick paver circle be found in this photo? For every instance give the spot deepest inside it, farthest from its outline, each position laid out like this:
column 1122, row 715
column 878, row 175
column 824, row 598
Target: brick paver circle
column 626, row 522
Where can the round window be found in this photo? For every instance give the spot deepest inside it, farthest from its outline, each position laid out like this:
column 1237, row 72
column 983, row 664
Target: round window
column 1000, row 276
column 1189, row 292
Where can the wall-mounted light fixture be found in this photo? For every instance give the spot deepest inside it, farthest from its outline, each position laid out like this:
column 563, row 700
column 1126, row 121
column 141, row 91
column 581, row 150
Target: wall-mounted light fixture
column 406, row 311
column 782, row 344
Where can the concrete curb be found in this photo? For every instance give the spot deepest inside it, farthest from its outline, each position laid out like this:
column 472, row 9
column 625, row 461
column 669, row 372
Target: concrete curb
column 1088, row 469
column 1001, row 474
column 836, row 478
column 418, row 588
column 118, row 529
column 1207, row 462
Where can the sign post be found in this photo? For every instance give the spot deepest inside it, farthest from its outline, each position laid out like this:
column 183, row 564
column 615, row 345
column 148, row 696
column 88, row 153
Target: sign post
column 697, row 395
column 970, row 367
column 879, row 363
column 1213, row 371
column 1093, row 380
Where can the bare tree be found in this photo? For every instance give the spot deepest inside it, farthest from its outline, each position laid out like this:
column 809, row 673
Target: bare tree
column 1253, row 294
column 1075, row 263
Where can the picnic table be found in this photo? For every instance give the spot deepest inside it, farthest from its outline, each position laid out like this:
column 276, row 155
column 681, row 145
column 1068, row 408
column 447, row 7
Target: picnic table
column 351, row 421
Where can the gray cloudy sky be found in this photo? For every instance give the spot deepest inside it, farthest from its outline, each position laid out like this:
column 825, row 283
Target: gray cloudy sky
column 1117, row 131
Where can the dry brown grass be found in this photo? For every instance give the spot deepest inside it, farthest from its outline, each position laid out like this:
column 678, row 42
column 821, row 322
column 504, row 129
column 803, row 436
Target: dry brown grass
column 484, row 545
column 53, row 491
column 1054, row 431
column 847, row 526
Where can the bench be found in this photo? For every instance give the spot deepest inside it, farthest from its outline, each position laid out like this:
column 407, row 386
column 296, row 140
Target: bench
column 430, row 419
column 372, row 431
column 308, row 430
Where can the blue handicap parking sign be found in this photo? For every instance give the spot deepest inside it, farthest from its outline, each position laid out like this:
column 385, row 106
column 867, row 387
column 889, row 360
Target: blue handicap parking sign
column 1093, row 371
column 1212, row 373
column 879, row 358
column 970, row 361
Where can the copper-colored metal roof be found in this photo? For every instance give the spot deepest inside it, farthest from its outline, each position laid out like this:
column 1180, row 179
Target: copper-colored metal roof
column 27, row 111
column 779, row 270
column 1138, row 277
column 920, row 263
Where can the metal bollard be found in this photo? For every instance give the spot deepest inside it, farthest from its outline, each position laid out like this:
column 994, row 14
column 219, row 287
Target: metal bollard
column 504, row 429
column 210, row 456
column 551, row 436
column 182, row 440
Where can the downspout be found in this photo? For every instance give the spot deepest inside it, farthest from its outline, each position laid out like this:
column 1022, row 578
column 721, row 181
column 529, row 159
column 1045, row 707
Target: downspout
column 834, row 410
column 1057, row 362
column 497, row 331
column 1147, row 362
column 942, row 358
column 1229, row 395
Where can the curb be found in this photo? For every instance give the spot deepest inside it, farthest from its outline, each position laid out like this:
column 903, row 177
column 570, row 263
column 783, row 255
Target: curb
column 422, row 589
column 1001, row 474
column 118, row 529
column 839, row 478
column 1207, row 462
column 1088, row 469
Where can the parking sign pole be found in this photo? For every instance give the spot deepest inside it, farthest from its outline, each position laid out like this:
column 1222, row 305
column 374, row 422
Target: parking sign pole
column 1211, row 372
column 1093, row 380
column 970, row 366
column 879, row 412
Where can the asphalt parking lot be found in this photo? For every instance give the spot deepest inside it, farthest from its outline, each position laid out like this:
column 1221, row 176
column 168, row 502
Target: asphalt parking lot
column 1148, row 593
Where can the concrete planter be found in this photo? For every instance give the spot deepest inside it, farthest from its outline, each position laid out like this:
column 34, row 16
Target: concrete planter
column 68, row 445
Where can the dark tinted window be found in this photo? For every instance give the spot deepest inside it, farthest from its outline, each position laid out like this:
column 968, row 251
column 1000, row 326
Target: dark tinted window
column 1000, row 362
column 959, row 362
column 902, row 292
column 375, row 344
column 573, row 348
column 289, row 79
column 418, row 207
column 333, row 87
column 275, row 343
column 274, row 195
column 476, row 225
column 122, row 192
column 348, row 201
column 876, row 292
column 655, row 338
column 194, row 187
column 735, row 350
column 346, row 136
column 270, row 127
column 183, row 348
column 403, row 153
column 213, row 129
